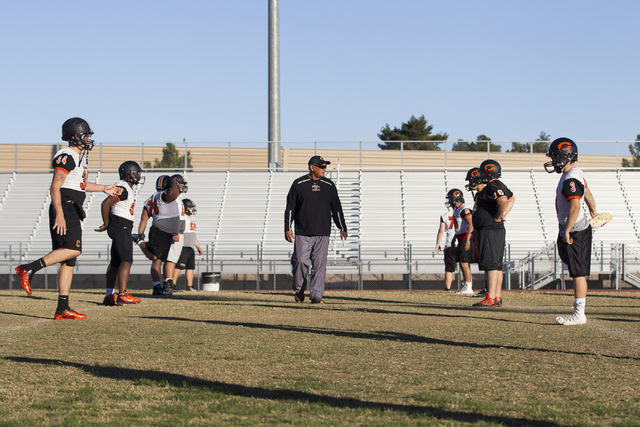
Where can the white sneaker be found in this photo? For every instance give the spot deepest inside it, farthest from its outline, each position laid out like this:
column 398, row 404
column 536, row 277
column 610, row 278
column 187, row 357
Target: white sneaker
column 573, row 319
column 466, row 290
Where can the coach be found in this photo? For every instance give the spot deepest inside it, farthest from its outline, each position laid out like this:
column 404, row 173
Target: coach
column 311, row 203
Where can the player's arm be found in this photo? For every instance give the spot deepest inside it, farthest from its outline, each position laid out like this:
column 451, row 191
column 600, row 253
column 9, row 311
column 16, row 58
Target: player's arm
column 288, row 215
column 338, row 215
column 439, row 237
column 469, row 221
column 198, row 247
column 590, row 201
column 105, row 209
column 107, row 189
column 172, row 193
column 144, row 218
column 574, row 210
column 59, row 175
column 504, row 207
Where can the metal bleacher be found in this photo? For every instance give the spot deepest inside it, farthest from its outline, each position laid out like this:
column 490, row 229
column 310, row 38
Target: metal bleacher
column 240, row 213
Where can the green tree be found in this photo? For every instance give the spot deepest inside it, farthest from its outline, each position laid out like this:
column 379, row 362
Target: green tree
column 541, row 145
column 480, row 144
column 171, row 159
column 634, row 149
column 413, row 130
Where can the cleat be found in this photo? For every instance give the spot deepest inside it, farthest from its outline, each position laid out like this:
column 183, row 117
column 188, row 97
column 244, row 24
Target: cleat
column 466, row 290
column 447, row 290
column 191, row 289
column 573, row 319
column 110, row 300
column 25, row 278
column 497, row 302
column 482, row 294
column 486, row 302
column 299, row 296
column 317, row 300
column 131, row 297
column 69, row 314
column 160, row 290
column 125, row 298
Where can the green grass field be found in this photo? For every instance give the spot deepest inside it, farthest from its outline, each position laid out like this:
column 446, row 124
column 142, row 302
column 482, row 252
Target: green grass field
column 364, row 358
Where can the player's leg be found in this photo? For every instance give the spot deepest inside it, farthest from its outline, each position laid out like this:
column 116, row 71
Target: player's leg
column 65, row 277
column 319, row 263
column 300, row 262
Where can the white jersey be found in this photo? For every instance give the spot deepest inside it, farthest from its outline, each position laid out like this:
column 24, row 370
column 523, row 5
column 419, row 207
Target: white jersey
column 459, row 214
column 449, row 226
column 77, row 170
column 183, row 215
column 571, row 186
column 189, row 233
column 166, row 216
column 126, row 201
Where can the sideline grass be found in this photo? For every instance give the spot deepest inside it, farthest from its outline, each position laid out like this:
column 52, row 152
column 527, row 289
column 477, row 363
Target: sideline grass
column 364, row 358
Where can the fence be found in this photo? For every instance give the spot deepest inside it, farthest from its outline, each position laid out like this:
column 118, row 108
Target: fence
column 401, row 268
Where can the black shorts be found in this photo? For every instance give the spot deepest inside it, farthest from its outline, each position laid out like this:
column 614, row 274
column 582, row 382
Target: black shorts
column 159, row 243
column 73, row 238
column 577, row 255
column 121, row 245
column 464, row 255
column 490, row 243
column 450, row 259
column 187, row 259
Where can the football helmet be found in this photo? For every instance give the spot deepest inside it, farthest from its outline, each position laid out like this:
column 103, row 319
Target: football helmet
column 473, row 179
column 74, row 131
column 561, row 151
column 454, row 197
column 182, row 184
column 189, row 207
column 488, row 170
column 162, row 183
column 131, row 172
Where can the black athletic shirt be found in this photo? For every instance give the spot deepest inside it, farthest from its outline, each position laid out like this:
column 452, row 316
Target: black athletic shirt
column 487, row 205
column 312, row 204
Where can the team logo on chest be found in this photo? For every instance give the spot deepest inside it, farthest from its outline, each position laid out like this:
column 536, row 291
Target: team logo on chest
column 315, row 187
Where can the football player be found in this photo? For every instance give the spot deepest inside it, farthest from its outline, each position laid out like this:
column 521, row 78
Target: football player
column 175, row 250
column 464, row 232
column 68, row 190
column 117, row 219
column 164, row 230
column 447, row 227
column 187, row 259
column 574, row 230
column 493, row 204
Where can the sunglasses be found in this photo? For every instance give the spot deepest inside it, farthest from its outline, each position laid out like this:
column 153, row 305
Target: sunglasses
column 321, row 167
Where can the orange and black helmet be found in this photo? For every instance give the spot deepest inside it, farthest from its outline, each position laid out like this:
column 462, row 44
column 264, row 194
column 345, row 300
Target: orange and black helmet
column 561, row 151
column 454, row 197
column 488, row 170
column 472, row 178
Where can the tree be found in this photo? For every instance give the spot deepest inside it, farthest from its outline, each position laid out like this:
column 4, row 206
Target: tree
column 171, row 159
column 634, row 149
column 480, row 144
column 413, row 130
column 541, row 145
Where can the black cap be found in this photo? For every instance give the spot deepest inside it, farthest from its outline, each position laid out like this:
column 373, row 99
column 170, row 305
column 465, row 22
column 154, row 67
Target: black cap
column 318, row 161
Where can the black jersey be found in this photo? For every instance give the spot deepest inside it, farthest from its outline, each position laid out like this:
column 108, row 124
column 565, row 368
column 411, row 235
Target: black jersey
column 487, row 205
column 311, row 204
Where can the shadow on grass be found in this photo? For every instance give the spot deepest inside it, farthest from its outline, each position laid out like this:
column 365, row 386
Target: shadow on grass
column 383, row 335
column 25, row 315
column 468, row 309
column 177, row 380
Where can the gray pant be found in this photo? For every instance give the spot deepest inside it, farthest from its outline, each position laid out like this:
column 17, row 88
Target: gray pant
column 309, row 250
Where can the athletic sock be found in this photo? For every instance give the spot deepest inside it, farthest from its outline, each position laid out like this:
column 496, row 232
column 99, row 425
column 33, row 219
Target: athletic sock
column 110, row 291
column 35, row 265
column 63, row 303
column 156, row 284
column 580, row 305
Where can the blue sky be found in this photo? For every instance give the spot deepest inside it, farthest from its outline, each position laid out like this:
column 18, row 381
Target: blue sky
column 157, row 71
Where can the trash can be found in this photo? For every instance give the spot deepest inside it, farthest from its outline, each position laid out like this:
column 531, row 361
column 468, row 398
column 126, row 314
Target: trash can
column 210, row 281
